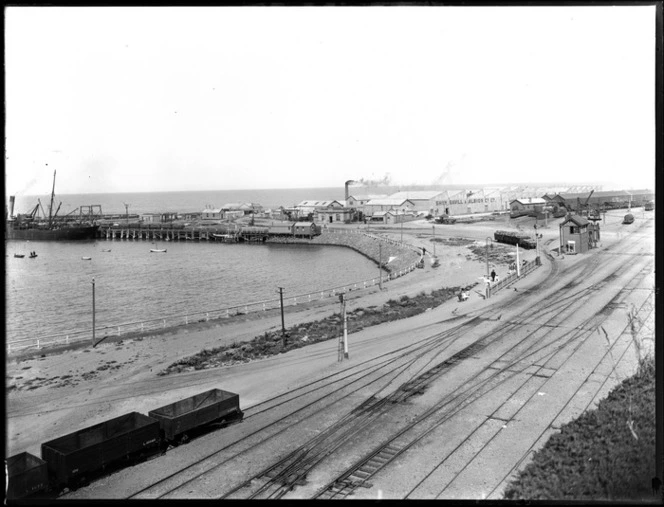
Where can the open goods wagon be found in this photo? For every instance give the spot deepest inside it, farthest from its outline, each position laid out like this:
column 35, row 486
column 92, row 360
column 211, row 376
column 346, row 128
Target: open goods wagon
column 195, row 412
column 26, row 475
column 515, row 238
column 85, row 453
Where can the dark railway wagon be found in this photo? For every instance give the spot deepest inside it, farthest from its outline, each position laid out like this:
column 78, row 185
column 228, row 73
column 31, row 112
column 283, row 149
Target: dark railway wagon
column 514, row 238
column 87, row 452
column 197, row 411
column 26, row 475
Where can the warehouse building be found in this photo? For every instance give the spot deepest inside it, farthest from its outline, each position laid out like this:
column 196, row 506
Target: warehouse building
column 387, row 204
column 528, row 204
column 359, row 200
column 424, row 201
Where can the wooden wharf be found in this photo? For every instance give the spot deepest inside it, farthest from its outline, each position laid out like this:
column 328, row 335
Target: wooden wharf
column 169, row 234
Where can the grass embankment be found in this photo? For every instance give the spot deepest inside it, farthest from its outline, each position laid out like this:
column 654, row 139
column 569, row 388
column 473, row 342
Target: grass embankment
column 270, row 343
column 606, row 454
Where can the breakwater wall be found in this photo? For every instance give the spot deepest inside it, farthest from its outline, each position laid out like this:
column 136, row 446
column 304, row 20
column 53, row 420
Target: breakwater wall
column 392, row 255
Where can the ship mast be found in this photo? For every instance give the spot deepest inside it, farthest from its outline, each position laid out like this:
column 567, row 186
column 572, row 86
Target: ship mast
column 50, row 209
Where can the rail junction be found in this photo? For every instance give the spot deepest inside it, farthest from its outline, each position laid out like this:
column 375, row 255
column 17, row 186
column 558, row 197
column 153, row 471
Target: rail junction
column 436, row 406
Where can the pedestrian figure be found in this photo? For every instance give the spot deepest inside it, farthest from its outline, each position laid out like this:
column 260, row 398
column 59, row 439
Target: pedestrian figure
column 493, row 275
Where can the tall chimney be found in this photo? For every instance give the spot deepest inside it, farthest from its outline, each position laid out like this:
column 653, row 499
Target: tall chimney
column 348, row 183
column 11, row 205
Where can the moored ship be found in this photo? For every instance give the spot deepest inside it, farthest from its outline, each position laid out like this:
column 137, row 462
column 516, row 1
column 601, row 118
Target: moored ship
column 29, row 226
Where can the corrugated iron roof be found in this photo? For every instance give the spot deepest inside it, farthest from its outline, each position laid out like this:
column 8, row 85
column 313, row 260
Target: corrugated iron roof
column 416, row 194
column 388, row 202
column 530, row 200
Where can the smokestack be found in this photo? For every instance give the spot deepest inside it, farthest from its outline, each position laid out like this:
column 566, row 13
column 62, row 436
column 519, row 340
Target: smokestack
column 11, row 205
column 348, row 183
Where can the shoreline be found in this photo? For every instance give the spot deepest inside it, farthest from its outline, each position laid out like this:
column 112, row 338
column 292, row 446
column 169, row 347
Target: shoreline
column 405, row 260
column 51, row 393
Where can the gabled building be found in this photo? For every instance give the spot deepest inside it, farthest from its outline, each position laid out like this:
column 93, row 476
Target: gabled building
column 333, row 214
column 246, row 207
column 306, row 207
column 577, row 234
column 359, row 200
column 212, row 214
column 387, row 204
column 528, row 204
column 464, row 202
column 423, row 200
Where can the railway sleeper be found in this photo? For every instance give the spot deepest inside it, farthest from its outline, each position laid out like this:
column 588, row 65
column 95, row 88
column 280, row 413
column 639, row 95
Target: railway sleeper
column 362, row 474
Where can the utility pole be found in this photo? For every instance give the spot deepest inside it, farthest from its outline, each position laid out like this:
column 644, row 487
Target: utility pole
column 283, row 327
column 342, row 299
column 486, row 245
column 518, row 264
column 93, row 310
column 434, row 240
column 380, row 266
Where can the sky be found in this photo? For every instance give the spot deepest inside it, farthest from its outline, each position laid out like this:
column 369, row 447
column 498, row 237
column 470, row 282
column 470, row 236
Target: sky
column 124, row 99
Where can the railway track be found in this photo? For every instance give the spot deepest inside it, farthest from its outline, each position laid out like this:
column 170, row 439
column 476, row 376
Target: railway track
column 391, row 379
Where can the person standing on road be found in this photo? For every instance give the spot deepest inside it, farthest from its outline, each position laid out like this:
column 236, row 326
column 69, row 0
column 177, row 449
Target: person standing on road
column 493, row 275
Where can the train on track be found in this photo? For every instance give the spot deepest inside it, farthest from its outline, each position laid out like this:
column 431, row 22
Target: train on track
column 74, row 459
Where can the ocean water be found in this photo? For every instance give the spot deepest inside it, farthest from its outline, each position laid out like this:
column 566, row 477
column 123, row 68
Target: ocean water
column 180, row 202
column 52, row 294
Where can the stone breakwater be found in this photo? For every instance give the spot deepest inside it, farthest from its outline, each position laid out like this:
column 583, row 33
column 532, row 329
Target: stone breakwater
column 374, row 248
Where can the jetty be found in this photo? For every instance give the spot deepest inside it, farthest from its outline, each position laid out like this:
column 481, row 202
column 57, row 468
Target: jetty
column 227, row 233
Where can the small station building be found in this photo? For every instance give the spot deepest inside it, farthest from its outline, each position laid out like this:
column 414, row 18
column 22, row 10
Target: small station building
column 578, row 234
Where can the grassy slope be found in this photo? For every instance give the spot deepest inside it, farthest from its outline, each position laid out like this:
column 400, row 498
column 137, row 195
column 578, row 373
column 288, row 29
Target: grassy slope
column 606, row 454
column 270, row 344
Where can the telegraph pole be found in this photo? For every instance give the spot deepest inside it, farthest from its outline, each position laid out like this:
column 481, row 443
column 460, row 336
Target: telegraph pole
column 380, row 266
column 93, row 309
column 434, row 240
column 283, row 327
column 345, row 321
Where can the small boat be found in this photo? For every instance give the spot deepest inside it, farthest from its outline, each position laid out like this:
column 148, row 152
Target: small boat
column 33, row 255
column 86, row 258
column 105, row 250
column 157, row 250
column 19, row 256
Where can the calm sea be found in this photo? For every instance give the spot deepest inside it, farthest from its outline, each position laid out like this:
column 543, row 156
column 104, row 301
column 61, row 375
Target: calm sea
column 52, row 294
column 180, row 202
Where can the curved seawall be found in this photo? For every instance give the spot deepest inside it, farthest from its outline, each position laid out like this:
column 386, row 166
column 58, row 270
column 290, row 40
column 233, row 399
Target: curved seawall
column 375, row 248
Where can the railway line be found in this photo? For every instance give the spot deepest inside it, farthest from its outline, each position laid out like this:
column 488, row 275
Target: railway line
column 516, row 347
